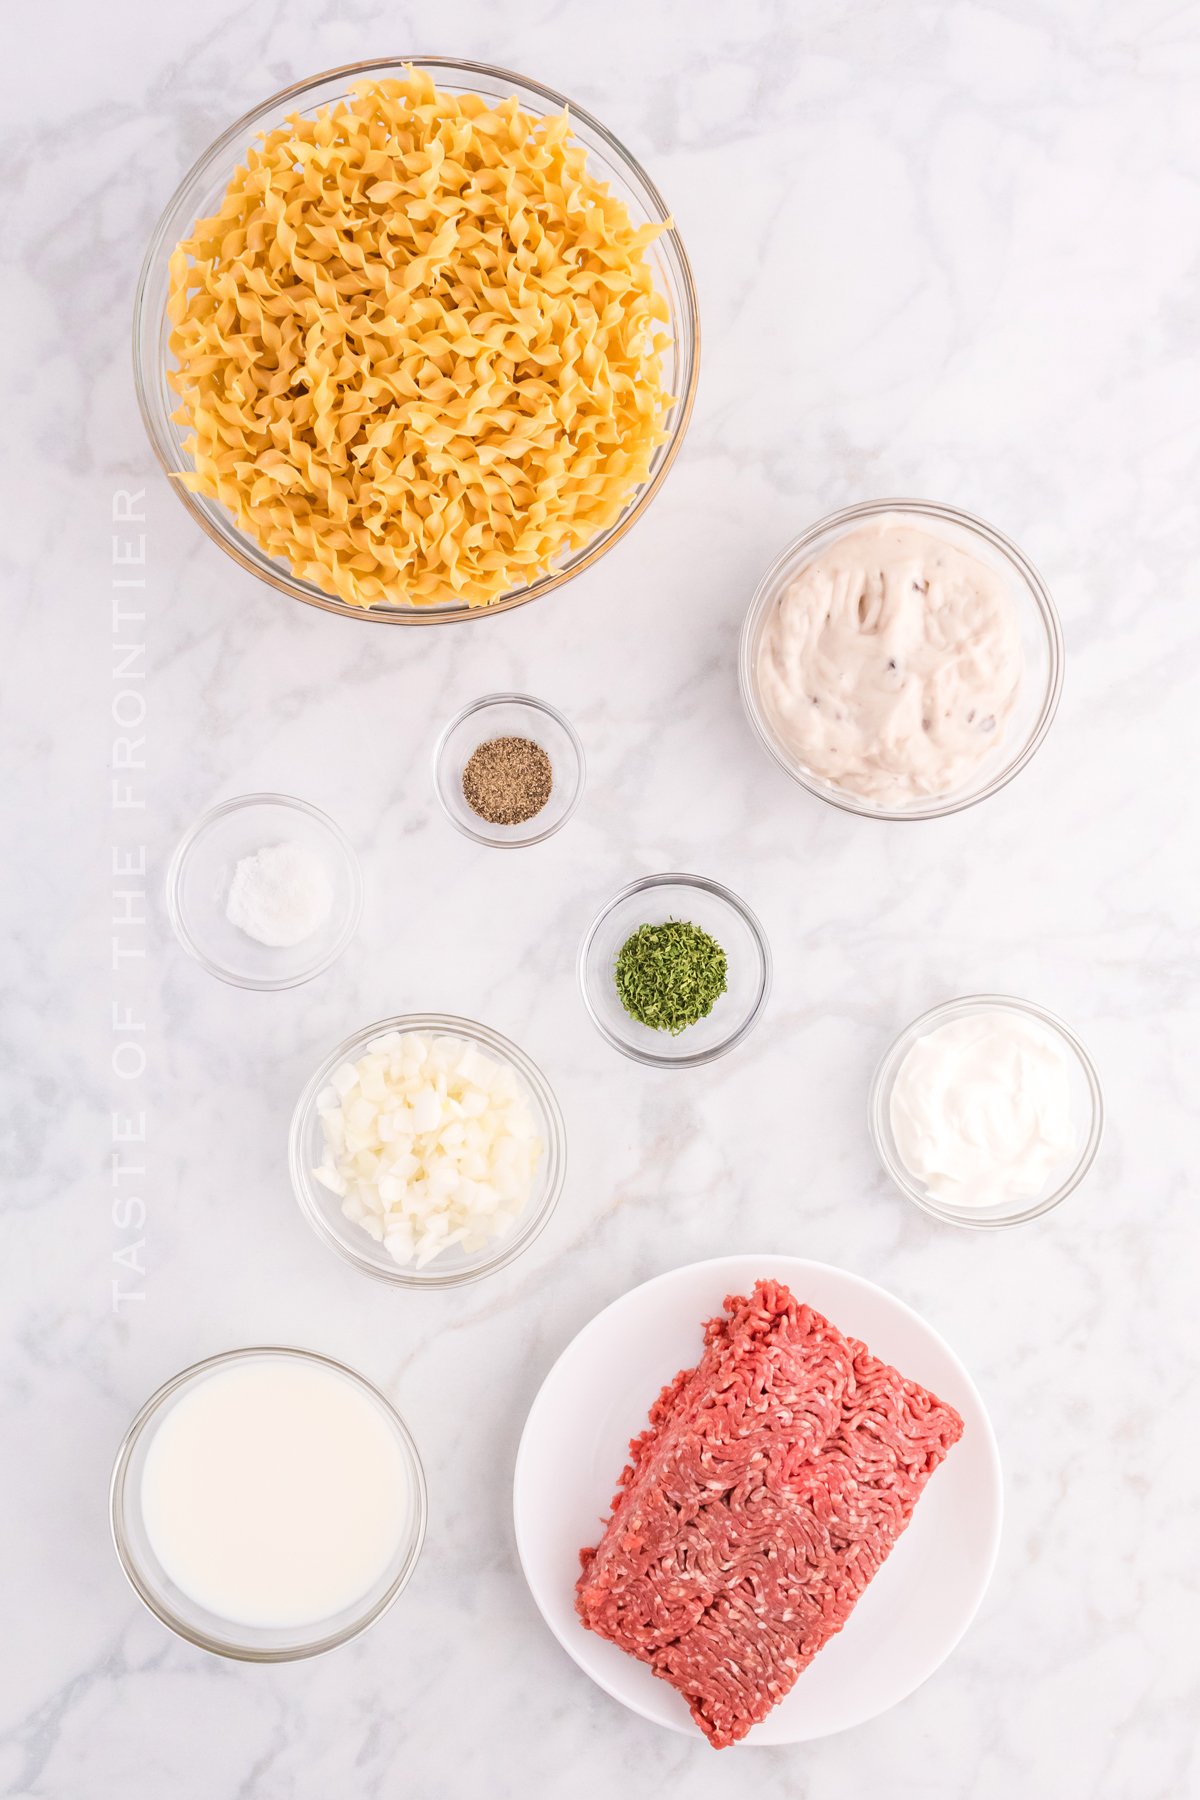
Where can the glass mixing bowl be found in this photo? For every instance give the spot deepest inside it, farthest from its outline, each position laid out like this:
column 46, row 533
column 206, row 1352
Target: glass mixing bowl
column 203, row 866
column 652, row 901
column 1087, row 1108
column 199, row 194
column 509, row 715
column 156, row 1589
column 455, row 1266
column 1041, row 646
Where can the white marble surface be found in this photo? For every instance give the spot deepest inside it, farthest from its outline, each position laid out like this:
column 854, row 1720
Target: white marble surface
column 942, row 249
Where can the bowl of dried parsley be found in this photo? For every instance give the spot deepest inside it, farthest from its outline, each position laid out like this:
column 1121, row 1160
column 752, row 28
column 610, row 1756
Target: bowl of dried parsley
column 509, row 770
column 675, row 970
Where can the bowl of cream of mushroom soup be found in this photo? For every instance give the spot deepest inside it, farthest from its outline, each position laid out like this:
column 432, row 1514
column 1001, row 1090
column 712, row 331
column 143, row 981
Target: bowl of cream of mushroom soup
column 901, row 659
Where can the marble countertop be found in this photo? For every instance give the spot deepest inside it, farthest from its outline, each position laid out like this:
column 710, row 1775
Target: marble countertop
column 941, row 249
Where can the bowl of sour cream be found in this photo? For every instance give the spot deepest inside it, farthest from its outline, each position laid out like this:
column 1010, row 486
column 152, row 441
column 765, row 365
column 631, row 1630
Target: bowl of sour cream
column 901, row 659
column 986, row 1111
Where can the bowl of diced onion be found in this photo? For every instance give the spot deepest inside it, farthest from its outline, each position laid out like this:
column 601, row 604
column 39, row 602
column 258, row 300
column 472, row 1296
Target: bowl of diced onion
column 427, row 1150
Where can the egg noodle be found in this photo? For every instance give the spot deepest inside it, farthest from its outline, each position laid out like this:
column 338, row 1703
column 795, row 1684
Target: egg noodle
column 419, row 347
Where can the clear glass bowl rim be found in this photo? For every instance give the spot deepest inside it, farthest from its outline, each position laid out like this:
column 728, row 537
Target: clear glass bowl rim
column 154, row 1603
column 179, row 857
column 767, row 589
column 676, row 878
column 531, row 1224
column 171, row 225
column 564, row 725
column 880, row 1095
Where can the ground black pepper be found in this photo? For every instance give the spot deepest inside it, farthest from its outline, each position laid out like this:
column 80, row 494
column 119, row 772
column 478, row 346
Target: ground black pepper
column 507, row 780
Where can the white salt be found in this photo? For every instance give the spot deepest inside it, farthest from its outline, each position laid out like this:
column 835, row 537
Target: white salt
column 280, row 895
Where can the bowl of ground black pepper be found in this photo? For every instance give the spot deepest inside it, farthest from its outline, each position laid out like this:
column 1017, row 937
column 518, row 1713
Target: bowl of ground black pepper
column 675, row 971
column 509, row 770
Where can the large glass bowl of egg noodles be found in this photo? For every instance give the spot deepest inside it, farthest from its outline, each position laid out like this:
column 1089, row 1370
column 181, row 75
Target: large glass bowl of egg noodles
column 416, row 341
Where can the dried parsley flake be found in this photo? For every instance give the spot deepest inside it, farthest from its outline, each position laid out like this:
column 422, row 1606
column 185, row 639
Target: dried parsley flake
column 671, row 975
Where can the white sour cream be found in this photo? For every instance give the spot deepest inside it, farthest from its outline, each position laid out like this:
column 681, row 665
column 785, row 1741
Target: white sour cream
column 981, row 1109
column 891, row 664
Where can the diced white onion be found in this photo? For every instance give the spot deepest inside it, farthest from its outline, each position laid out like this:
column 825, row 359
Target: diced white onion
column 429, row 1142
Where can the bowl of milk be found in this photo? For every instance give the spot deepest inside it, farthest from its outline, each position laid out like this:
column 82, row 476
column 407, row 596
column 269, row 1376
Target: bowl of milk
column 268, row 1504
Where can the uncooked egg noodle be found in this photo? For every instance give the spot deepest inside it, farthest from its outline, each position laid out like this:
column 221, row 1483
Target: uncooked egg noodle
column 419, row 347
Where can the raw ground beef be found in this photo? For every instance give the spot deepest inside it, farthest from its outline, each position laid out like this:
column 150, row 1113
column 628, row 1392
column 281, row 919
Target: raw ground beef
column 772, row 1483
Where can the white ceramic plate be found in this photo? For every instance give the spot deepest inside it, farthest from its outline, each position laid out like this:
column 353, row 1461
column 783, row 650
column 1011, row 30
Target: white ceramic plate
column 596, row 1398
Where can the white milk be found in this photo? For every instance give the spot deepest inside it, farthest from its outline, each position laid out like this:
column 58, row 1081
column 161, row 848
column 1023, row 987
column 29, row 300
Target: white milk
column 275, row 1492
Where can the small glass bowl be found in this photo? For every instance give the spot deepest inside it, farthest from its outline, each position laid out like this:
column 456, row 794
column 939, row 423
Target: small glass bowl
column 199, row 195
column 1087, row 1107
column 652, row 901
column 202, row 869
column 455, row 1267
column 509, row 715
column 185, row 1616
column 1041, row 645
